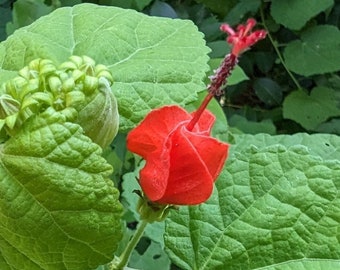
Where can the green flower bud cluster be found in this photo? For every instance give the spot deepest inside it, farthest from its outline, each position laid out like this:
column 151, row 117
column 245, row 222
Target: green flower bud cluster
column 68, row 88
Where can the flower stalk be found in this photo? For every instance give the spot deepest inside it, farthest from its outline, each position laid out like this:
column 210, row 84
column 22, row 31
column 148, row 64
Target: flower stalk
column 214, row 88
column 121, row 262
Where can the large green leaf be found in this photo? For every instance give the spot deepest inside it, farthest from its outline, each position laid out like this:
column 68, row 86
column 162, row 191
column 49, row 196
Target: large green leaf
column 311, row 110
column 294, row 14
column 305, row 264
column 326, row 146
column 316, row 52
column 154, row 61
column 59, row 209
column 271, row 205
column 135, row 4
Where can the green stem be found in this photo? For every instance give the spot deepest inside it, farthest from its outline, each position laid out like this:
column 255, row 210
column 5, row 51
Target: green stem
column 277, row 50
column 125, row 256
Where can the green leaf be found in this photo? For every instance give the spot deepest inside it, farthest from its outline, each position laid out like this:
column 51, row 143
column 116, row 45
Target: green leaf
column 268, row 91
column 221, row 7
column 219, row 48
column 134, row 4
column 311, row 110
column 162, row 9
column 326, row 146
column 59, row 209
column 305, row 264
column 252, row 127
column 241, row 9
column 6, row 15
column 271, row 205
column 236, row 76
column 25, row 12
column 332, row 127
column 315, row 52
column 294, row 14
column 149, row 70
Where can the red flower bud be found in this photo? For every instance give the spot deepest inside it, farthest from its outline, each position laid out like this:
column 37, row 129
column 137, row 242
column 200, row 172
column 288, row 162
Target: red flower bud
column 181, row 165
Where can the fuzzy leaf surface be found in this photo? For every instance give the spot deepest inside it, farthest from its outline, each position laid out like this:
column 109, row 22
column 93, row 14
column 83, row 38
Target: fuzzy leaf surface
column 272, row 205
column 59, row 209
column 326, row 146
column 149, row 70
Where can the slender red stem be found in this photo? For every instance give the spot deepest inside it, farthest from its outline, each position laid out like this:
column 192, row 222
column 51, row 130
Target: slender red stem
column 199, row 112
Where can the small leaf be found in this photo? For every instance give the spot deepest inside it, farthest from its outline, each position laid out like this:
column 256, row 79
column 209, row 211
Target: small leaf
column 294, row 14
column 59, row 209
column 162, row 9
column 311, row 110
column 315, row 52
column 268, row 91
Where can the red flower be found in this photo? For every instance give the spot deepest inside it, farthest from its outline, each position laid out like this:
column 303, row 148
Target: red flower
column 243, row 38
column 181, row 165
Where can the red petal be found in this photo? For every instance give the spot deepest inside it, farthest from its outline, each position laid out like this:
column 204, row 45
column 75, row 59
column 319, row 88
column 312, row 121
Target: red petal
column 212, row 152
column 189, row 181
column 152, row 132
column 149, row 140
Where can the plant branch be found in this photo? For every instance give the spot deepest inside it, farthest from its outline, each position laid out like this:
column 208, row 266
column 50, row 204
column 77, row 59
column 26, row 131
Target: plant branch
column 277, row 50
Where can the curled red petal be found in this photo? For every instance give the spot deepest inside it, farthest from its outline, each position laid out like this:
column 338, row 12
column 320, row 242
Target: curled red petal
column 153, row 131
column 150, row 140
column 189, row 180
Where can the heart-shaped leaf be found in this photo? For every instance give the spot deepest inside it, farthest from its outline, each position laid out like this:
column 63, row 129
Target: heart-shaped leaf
column 316, row 52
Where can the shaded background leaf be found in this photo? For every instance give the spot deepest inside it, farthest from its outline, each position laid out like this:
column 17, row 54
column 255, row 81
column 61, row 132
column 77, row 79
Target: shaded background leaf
column 311, row 110
column 268, row 91
column 315, row 52
column 295, row 14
